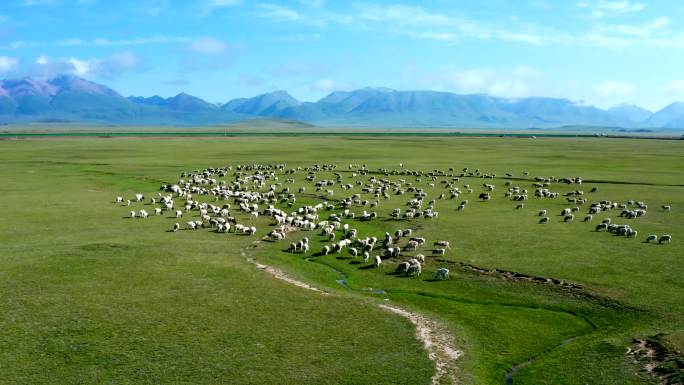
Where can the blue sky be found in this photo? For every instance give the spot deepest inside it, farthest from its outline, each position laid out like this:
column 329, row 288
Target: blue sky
column 600, row 52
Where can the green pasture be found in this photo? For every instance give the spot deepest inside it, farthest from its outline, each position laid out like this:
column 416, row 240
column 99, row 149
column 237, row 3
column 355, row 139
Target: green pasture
column 89, row 295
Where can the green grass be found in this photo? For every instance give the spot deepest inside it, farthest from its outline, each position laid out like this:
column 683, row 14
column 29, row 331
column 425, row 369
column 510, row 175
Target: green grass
column 90, row 297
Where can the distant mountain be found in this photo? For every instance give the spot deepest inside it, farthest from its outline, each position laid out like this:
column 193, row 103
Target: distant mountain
column 630, row 112
column 671, row 116
column 270, row 104
column 70, row 98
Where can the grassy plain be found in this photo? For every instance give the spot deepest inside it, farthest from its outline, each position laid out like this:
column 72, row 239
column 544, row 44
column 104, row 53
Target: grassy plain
column 89, row 296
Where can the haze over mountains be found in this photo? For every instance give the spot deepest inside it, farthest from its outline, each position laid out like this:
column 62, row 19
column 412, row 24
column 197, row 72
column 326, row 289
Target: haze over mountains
column 73, row 99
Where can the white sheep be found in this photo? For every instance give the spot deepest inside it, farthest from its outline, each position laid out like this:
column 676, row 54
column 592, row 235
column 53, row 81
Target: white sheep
column 442, row 273
column 665, row 238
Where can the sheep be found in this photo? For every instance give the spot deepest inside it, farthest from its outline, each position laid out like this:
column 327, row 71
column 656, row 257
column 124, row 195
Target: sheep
column 366, row 257
column 326, row 250
column 128, row 202
column 588, row 218
column 157, row 211
column 665, row 238
column 132, row 214
column 420, row 258
column 251, row 230
column 544, row 220
column 542, row 213
column 353, row 252
column 139, row 197
column 119, row 199
column 569, row 218
column 651, row 237
column 377, row 261
column 442, row 273
column 520, row 206
column 179, row 214
column 443, row 244
column 176, row 227
column 192, row 225
column 667, row 207
column 402, row 268
column 439, row 251
column 414, row 268
column 143, row 214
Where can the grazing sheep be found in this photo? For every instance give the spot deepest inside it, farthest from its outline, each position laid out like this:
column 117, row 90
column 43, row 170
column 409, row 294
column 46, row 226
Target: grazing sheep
column 439, row 251
column 667, row 207
column 192, row 225
column 544, row 220
column 366, row 257
column 402, row 268
column 569, row 218
column 143, row 214
column 442, row 273
column 665, row 238
column 588, row 218
column 414, row 268
column 377, row 261
column 179, row 214
column 520, row 206
column 176, row 227
column 353, row 252
column 602, row 226
column 651, row 237
column 420, row 258
column 119, row 199
column 443, row 244
column 132, row 214
column 542, row 213
column 326, row 250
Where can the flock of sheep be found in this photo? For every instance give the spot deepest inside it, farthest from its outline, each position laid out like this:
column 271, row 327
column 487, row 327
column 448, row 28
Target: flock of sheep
column 216, row 197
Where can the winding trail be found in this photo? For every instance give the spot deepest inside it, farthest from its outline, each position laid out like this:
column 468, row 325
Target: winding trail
column 435, row 336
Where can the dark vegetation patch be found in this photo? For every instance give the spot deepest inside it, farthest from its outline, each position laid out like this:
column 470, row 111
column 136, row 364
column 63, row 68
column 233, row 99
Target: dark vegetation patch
column 658, row 359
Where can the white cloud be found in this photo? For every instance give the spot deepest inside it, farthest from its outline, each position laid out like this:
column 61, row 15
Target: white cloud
column 81, row 67
column 224, row 3
column 675, row 88
column 328, row 85
column 613, row 88
column 208, row 46
column 31, row 3
column 313, row 3
column 278, row 12
column 519, row 81
column 639, row 30
column 606, row 8
column 18, row 44
column 438, row 36
column 8, row 63
column 108, row 67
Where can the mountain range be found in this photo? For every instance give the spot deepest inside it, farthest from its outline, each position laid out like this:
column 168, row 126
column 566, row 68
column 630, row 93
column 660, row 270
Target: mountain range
column 72, row 99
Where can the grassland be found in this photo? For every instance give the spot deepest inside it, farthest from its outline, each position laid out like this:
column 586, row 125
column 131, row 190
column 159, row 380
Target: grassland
column 91, row 297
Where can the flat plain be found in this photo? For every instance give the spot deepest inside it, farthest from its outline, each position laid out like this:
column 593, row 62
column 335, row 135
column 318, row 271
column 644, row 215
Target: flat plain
column 89, row 295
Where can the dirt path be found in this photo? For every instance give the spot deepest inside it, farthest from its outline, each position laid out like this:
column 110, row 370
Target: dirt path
column 436, row 339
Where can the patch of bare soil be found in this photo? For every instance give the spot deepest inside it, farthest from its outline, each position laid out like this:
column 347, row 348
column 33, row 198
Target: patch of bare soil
column 658, row 360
